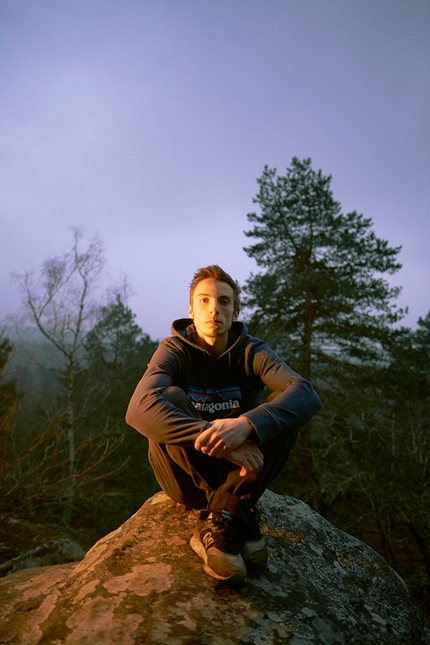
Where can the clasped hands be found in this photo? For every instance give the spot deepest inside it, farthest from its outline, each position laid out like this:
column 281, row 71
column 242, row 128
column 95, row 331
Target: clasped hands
column 228, row 439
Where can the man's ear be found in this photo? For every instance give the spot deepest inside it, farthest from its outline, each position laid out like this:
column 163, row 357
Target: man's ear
column 190, row 312
column 236, row 315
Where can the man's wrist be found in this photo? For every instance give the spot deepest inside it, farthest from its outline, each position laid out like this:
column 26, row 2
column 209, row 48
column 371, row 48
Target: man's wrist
column 252, row 434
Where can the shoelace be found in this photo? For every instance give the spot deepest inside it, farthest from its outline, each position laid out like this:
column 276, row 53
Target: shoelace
column 223, row 525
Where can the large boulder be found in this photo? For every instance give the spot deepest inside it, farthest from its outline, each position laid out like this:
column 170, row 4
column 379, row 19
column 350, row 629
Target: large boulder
column 143, row 584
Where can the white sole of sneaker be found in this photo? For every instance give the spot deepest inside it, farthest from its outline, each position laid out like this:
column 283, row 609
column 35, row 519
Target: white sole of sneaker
column 236, row 577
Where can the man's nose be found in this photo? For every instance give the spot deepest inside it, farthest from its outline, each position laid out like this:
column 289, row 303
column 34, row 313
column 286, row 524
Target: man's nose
column 214, row 306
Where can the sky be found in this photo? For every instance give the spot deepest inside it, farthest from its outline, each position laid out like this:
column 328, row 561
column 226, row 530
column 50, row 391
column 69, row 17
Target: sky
column 148, row 122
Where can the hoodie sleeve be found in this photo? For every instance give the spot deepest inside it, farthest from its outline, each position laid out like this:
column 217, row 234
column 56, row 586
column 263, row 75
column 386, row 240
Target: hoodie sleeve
column 153, row 415
column 296, row 403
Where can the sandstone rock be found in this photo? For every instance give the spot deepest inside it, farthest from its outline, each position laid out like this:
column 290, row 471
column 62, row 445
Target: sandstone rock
column 143, row 584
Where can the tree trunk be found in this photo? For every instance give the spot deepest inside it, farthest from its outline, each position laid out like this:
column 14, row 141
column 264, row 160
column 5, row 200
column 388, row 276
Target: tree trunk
column 305, row 439
column 70, row 430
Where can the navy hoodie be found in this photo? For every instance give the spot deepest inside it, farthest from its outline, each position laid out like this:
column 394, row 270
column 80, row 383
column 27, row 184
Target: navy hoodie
column 228, row 386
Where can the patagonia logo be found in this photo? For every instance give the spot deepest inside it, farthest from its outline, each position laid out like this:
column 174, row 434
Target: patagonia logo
column 222, row 399
column 217, row 407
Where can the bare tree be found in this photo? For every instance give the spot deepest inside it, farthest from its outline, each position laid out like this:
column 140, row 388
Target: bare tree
column 59, row 299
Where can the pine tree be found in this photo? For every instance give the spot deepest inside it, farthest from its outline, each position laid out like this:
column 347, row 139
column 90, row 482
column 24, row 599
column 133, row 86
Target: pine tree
column 322, row 298
column 407, row 400
column 117, row 354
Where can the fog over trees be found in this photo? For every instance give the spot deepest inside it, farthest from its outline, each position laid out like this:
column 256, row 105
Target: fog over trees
column 321, row 298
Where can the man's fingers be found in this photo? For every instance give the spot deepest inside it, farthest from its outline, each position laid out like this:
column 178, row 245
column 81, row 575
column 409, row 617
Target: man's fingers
column 208, row 439
column 248, row 469
column 217, row 451
column 200, row 442
column 203, row 440
column 248, row 457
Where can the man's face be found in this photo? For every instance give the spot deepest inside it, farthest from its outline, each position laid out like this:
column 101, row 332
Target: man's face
column 212, row 310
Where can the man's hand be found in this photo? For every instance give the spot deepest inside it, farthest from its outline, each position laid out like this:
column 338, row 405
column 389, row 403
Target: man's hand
column 223, row 436
column 248, row 456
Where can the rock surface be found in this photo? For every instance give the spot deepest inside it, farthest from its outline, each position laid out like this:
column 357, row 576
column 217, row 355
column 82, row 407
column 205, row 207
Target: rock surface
column 143, row 584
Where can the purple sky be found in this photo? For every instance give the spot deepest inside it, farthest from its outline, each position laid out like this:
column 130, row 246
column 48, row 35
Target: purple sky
column 148, row 122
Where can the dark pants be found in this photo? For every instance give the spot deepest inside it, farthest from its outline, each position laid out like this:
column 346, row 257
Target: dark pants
column 199, row 481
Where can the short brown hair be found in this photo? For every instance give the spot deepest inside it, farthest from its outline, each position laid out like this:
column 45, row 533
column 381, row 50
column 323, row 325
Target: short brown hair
column 216, row 273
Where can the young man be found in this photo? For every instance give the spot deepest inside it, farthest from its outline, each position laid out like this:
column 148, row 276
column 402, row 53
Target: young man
column 213, row 444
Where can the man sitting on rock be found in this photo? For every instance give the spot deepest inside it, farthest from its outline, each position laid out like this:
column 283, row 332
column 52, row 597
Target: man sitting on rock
column 213, row 444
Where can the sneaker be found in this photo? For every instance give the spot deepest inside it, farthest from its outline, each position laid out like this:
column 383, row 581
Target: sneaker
column 217, row 542
column 254, row 548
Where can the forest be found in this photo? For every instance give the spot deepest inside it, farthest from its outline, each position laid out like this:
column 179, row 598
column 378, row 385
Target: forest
column 69, row 464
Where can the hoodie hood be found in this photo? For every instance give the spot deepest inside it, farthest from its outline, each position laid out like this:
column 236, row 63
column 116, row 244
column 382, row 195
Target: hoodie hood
column 184, row 329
